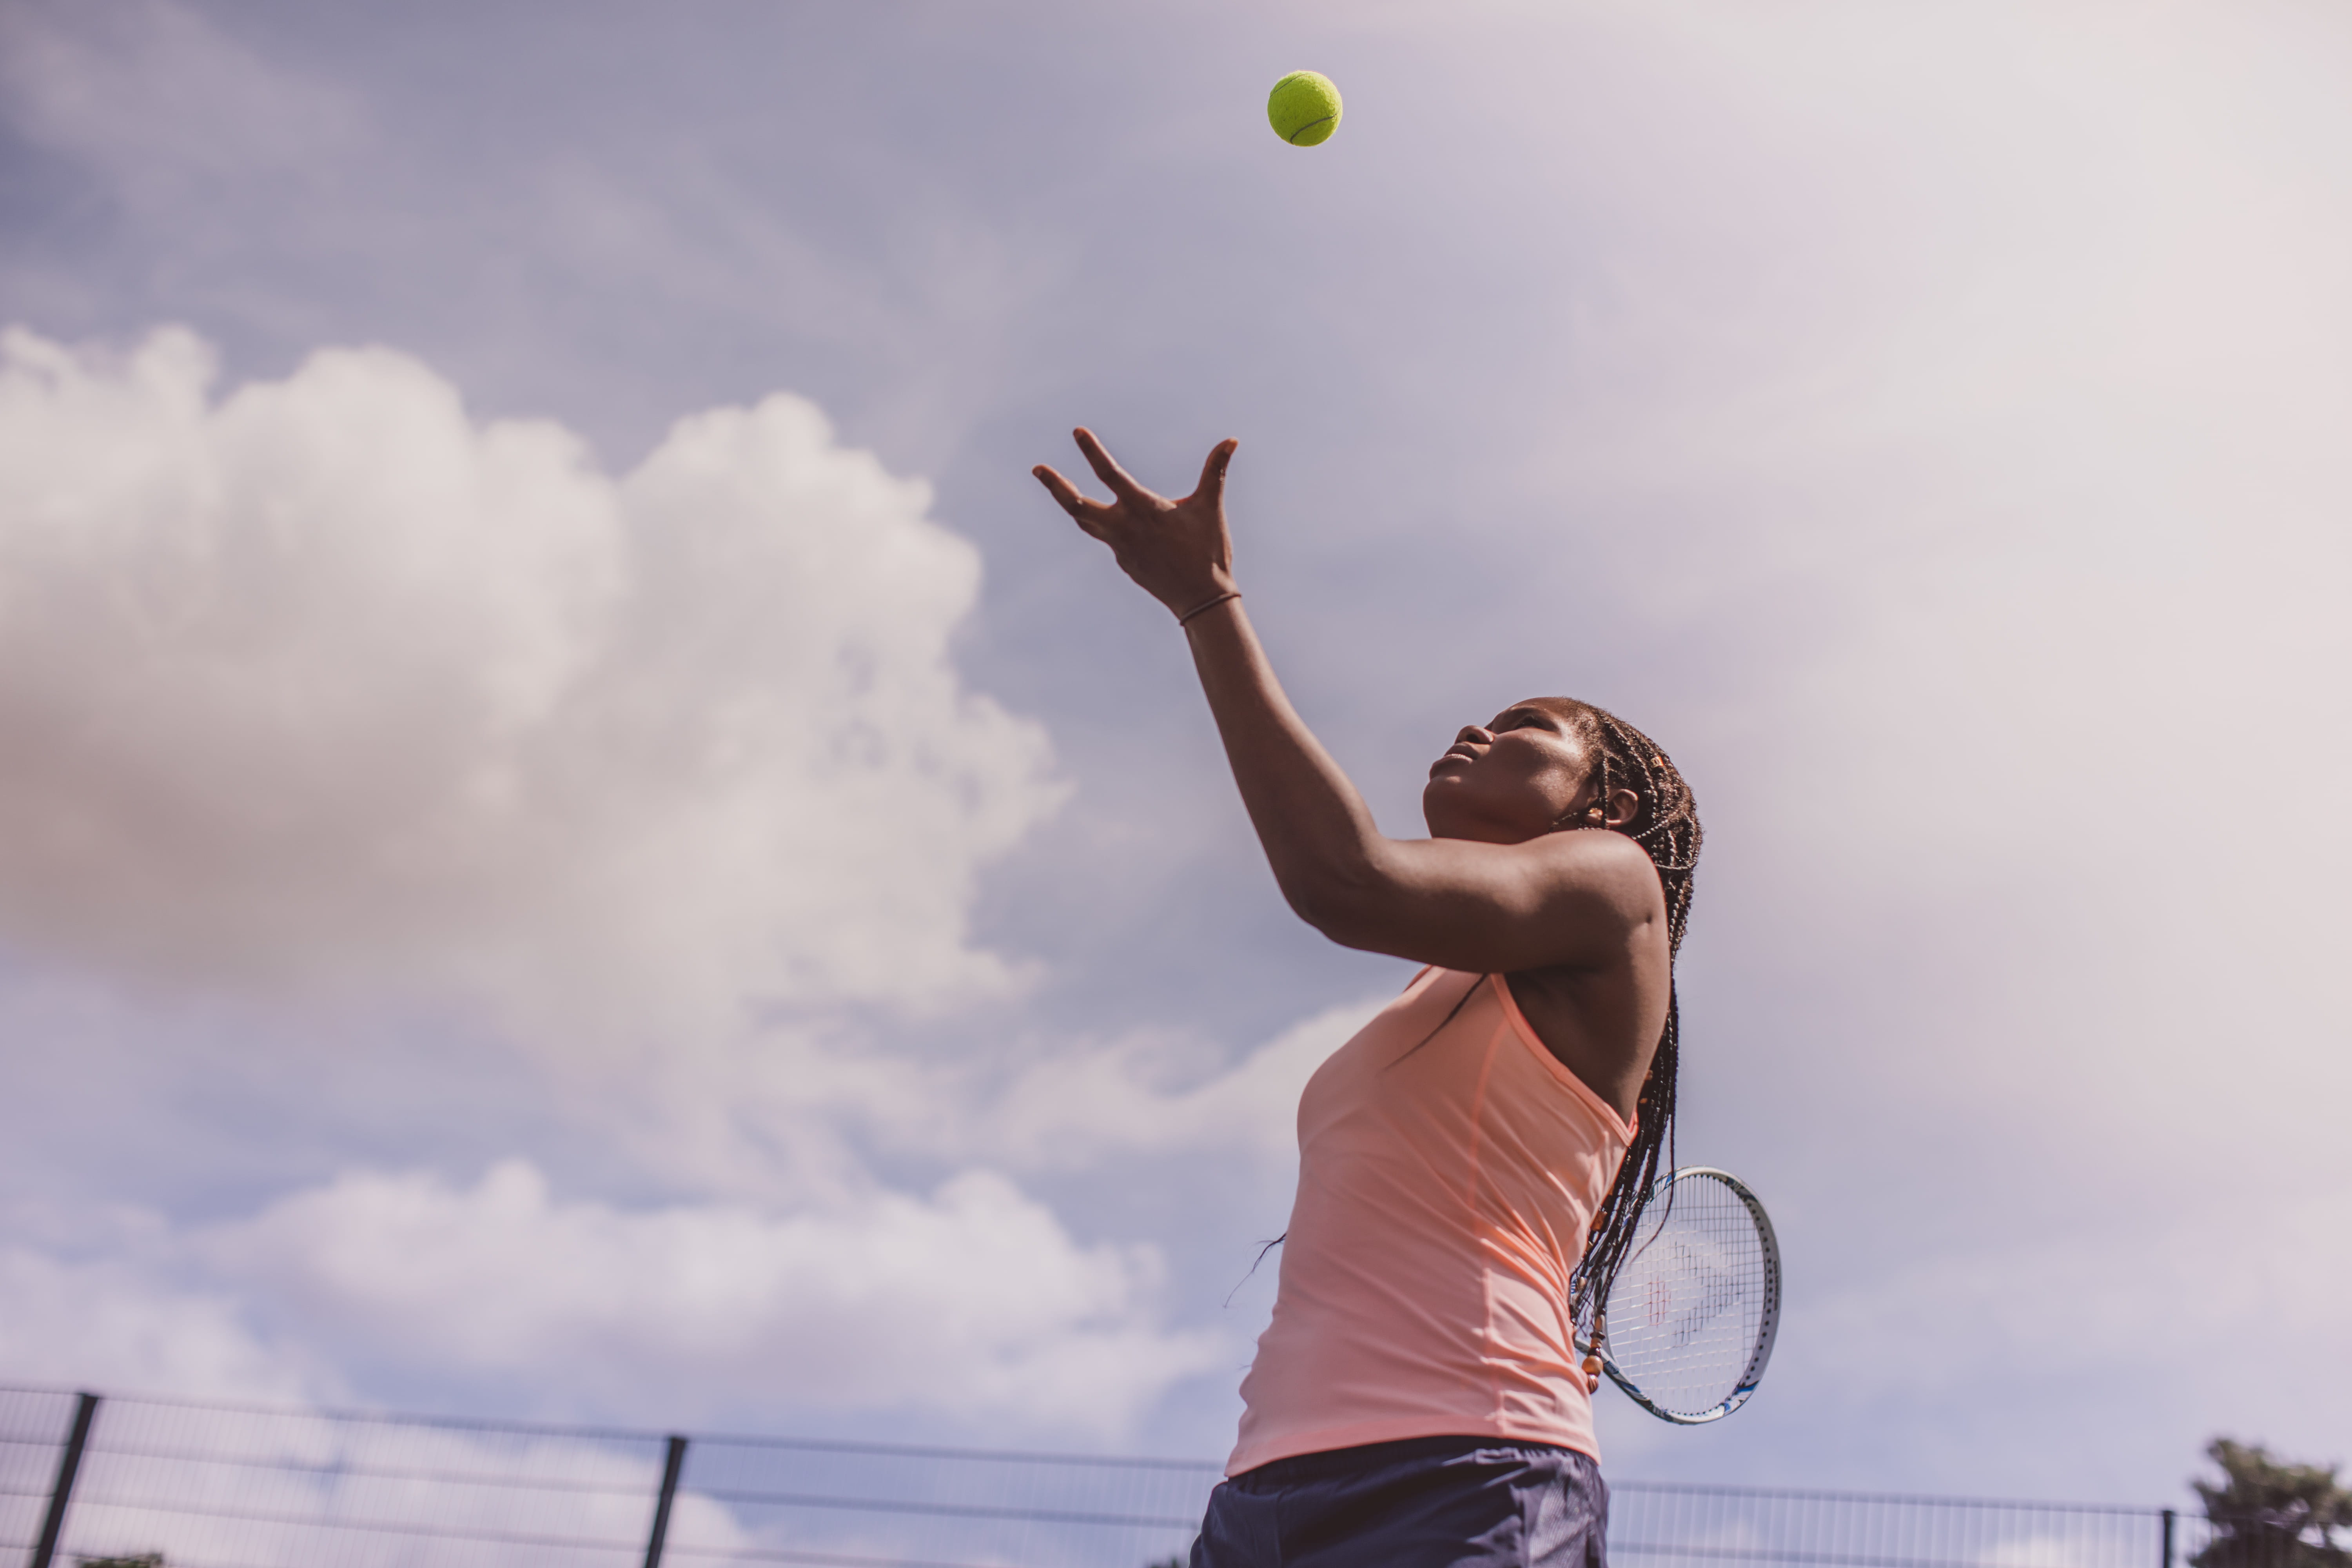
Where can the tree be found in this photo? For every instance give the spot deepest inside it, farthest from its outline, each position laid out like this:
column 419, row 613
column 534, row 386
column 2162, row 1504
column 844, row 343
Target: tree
column 2269, row 1513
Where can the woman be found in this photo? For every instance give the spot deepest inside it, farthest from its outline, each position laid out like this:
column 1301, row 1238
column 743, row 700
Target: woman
column 1473, row 1163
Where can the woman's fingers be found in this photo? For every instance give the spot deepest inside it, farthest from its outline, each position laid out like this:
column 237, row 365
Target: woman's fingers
column 1107, row 471
column 1060, row 488
column 1212, row 488
column 1084, row 512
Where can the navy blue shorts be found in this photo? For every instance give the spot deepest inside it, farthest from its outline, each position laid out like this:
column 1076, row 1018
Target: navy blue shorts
column 1424, row 1502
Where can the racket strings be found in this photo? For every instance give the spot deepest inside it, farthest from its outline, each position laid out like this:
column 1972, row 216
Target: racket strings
column 1690, row 1304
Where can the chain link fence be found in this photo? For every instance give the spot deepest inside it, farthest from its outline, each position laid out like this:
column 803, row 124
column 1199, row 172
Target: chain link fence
column 87, row 1481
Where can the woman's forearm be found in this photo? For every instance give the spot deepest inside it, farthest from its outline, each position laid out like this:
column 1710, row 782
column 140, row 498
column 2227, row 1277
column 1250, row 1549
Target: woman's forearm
column 1318, row 835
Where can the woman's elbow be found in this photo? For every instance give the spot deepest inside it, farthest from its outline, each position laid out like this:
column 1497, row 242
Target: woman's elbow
column 1342, row 908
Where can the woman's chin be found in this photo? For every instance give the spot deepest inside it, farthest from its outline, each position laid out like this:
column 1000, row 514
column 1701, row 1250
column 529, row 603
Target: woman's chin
column 1446, row 813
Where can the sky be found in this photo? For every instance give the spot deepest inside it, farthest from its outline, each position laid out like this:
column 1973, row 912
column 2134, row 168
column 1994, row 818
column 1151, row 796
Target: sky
column 577, row 839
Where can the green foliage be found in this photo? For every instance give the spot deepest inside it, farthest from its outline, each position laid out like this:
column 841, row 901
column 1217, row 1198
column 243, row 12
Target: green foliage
column 2269, row 1513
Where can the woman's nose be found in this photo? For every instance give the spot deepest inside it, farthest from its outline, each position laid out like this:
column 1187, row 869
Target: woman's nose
column 1478, row 732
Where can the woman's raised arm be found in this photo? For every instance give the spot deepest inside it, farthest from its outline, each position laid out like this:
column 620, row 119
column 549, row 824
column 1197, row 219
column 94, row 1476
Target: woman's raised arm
column 1556, row 899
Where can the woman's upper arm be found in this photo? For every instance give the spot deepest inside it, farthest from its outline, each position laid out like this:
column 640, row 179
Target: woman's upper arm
column 1564, row 899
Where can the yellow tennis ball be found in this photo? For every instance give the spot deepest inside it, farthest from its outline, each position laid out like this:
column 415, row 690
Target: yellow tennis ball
column 1304, row 108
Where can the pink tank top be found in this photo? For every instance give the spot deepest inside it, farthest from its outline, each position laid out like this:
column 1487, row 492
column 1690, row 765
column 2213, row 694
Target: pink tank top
column 1447, row 1171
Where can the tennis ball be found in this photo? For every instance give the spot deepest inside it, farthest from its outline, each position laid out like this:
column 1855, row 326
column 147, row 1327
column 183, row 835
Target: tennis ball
column 1304, row 108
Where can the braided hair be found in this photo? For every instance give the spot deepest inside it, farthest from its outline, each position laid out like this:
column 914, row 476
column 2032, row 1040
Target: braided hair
column 1666, row 824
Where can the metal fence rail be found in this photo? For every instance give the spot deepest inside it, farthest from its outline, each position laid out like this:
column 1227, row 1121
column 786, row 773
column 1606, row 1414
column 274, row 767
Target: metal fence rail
column 85, row 1480
column 765, row 1500
column 1670, row 1526
column 224, row 1485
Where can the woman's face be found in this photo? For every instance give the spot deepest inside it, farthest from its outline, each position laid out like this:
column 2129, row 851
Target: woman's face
column 1510, row 780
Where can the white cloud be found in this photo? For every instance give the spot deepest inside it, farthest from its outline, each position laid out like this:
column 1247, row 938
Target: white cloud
column 324, row 684
column 114, row 1324
column 974, row 1301
column 1111, row 1099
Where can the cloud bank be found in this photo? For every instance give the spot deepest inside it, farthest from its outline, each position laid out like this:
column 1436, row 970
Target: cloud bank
column 823, row 1294
column 326, row 685
column 973, row 1300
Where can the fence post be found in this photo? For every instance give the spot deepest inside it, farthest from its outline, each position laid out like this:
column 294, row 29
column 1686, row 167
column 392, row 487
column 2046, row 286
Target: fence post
column 45, row 1550
column 670, row 1468
column 2168, row 1540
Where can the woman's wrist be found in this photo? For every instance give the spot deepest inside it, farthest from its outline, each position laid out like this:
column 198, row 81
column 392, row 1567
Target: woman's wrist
column 1185, row 617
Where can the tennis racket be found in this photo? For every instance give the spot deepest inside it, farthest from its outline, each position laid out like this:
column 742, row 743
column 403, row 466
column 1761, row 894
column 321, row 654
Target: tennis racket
column 1689, row 1321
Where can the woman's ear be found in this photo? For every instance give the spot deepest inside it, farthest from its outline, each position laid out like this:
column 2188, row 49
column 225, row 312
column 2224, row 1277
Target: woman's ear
column 1624, row 804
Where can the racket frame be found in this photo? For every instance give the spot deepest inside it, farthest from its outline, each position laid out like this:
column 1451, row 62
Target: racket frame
column 1770, row 1314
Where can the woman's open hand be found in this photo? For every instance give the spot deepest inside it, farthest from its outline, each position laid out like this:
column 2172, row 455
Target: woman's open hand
column 1178, row 551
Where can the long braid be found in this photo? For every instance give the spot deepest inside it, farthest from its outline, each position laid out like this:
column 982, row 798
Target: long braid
column 1666, row 824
